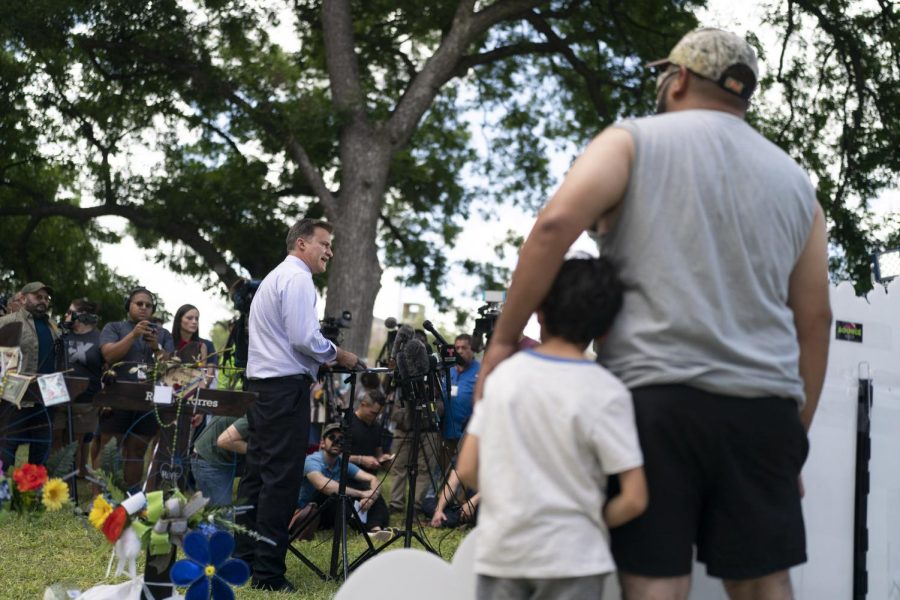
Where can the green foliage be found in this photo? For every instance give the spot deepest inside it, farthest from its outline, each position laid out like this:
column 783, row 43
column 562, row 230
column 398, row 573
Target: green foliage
column 110, row 473
column 212, row 94
column 64, row 255
column 62, row 461
column 840, row 116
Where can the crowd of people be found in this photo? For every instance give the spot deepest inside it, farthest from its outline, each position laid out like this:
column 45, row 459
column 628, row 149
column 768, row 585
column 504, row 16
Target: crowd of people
column 709, row 313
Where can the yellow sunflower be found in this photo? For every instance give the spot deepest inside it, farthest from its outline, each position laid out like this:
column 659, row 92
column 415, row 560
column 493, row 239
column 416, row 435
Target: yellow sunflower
column 99, row 511
column 55, row 494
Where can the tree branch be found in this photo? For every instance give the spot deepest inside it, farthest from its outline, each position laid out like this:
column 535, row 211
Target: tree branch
column 340, row 58
column 172, row 229
column 442, row 65
column 313, row 176
column 419, row 265
column 591, row 80
column 522, row 49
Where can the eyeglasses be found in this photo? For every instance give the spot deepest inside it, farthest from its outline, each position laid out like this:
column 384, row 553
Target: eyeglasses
column 334, row 438
column 44, row 297
column 143, row 304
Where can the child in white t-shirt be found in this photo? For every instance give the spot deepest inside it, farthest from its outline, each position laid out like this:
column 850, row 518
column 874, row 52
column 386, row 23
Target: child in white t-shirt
column 551, row 427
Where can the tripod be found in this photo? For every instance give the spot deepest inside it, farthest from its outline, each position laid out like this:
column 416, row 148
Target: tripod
column 340, row 560
column 416, row 397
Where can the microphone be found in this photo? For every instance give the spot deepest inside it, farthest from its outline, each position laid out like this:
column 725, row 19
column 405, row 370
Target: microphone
column 416, row 363
column 390, row 322
column 415, row 357
column 404, row 335
column 430, row 328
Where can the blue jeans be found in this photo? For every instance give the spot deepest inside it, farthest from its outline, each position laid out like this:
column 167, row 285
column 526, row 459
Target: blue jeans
column 215, row 481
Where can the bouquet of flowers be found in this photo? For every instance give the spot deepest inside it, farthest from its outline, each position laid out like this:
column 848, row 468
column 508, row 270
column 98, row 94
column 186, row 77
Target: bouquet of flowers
column 160, row 524
column 31, row 489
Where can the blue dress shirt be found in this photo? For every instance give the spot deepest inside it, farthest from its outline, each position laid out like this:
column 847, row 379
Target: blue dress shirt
column 457, row 415
column 284, row 327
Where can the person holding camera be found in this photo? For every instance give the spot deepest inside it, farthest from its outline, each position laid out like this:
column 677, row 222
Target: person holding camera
column 285, row 352
column 124, row 344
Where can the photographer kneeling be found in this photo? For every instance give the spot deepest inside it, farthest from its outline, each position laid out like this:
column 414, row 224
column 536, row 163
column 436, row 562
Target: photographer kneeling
column 321, row 478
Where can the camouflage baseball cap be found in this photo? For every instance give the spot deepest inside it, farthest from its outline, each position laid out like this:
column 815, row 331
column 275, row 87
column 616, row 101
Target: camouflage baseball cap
column 719, row 56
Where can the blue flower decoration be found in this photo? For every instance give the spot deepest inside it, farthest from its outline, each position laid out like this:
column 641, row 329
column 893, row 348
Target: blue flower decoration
column 5, row 494
column 209, row 571
column 207, row 529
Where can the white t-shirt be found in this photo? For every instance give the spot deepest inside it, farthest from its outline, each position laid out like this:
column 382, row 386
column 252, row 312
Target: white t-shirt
column 550, row 430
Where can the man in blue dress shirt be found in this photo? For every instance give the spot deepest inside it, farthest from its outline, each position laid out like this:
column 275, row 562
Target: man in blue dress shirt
column 285, row 352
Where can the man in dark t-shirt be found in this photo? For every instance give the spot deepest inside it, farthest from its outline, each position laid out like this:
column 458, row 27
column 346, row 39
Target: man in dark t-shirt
column 366, row 433
column 81, row 341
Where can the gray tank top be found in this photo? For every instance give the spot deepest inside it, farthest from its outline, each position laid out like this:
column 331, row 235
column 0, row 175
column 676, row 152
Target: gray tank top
column 713, row 221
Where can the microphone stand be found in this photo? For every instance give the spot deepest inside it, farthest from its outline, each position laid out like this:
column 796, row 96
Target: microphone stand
column 345, row 507
column 62, row 353
column 407, row 389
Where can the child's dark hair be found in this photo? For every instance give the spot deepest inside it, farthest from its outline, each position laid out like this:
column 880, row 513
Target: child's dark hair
column 585, row 298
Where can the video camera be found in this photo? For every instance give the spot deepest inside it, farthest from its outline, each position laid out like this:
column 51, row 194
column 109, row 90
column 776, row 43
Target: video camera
column 488, row 315
column 331, row 327
column 242, row 294
column 83, row 317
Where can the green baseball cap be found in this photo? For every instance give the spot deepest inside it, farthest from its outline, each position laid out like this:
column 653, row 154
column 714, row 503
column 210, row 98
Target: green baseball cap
column 36, row 286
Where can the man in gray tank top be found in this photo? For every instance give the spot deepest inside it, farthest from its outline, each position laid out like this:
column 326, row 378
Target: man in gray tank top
column 723, row 337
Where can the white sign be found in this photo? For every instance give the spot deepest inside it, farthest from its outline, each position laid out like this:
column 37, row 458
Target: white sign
column 162, row 394
column 53, row 389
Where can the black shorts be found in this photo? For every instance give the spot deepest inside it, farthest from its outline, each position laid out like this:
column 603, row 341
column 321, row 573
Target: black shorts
column 129, row 422
column 723, row 475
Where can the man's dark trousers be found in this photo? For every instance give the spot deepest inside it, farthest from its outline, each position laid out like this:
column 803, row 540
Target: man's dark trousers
column 278, row 432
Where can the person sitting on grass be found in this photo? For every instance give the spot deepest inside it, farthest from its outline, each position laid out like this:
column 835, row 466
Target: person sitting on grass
column 453, row 506
column 321, row 477
column 550, row 429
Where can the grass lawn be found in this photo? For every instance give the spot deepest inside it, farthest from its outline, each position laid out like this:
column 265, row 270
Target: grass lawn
column 47, row 548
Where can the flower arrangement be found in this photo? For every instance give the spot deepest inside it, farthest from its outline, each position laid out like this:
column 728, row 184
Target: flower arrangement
column 157, row 521
column 31, row 489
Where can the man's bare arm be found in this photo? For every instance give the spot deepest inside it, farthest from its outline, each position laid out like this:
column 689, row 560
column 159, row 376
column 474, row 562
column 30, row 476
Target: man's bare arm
column 231, row 440
column 808, row 298
column 593, row 187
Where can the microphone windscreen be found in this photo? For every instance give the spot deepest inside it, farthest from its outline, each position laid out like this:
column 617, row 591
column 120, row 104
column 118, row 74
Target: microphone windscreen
column 402, row 367
column 416, row 358
column 390, row 322
column 404, row 334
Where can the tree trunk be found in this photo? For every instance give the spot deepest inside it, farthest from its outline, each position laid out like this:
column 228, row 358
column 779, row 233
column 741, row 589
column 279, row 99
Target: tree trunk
column 354, row 276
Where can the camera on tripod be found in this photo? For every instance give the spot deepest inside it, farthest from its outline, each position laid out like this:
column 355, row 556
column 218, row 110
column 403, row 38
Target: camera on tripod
column 488, row 315
column 242, row 294
column 331, row 327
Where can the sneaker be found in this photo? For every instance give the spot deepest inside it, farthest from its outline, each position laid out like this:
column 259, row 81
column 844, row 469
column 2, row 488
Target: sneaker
column 282, row 586
column 383, row 535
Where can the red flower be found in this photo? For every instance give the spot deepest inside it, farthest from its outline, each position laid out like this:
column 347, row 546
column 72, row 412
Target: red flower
column 114, row 524
column 30, row 477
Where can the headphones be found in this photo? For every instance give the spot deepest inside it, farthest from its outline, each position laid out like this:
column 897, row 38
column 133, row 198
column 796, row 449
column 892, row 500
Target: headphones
column 140, row 290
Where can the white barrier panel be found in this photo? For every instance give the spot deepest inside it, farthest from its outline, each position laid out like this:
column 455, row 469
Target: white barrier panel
column 829, row 473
